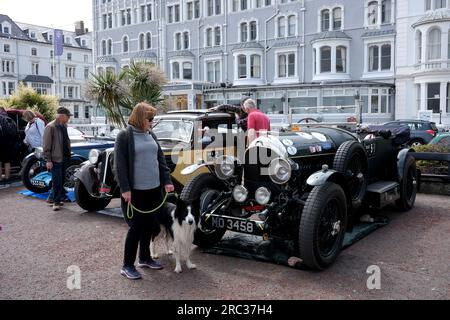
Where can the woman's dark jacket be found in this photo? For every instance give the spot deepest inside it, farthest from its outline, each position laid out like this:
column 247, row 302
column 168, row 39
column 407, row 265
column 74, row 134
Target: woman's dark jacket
column 124, row 161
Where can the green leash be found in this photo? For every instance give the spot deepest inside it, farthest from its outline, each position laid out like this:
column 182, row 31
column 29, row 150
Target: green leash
column 132, row 208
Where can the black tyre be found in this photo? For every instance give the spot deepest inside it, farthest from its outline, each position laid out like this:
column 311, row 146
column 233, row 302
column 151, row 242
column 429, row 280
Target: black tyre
column 200, row 192
column 351, row 161
column 408, row 185
column 32, row 168
column 322, row 226
column 86, row 201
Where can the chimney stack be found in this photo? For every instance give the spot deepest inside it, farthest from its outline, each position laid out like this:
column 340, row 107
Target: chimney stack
column 79, row 28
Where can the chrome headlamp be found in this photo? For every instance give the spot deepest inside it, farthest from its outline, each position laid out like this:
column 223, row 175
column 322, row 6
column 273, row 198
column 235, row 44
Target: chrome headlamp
column 240, row 193
column 39, row 152
column 280, row 170
column 94, row 154
column 262, row 196
column 224, row 167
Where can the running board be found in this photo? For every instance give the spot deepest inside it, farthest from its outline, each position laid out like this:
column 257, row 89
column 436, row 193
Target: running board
column 382, row 193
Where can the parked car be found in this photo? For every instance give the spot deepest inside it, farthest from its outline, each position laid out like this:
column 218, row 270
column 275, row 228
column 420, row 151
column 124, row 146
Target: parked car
column 95, row 185
column 305, row 187
column 442, row 139
column 35, row 176
column 422, row 132
column 75, row 135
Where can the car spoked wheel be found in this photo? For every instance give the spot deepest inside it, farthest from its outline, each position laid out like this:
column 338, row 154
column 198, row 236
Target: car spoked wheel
column 322, row 226
column 329, row 228
column 408, row 185
column 69, row 177
column 351, row 160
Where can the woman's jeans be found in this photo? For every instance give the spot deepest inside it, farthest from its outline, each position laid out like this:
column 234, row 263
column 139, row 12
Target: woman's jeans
column 141, row 224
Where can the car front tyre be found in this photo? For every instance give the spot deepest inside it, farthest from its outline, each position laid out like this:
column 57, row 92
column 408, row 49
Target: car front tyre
column 322, row 226
column 86, row 201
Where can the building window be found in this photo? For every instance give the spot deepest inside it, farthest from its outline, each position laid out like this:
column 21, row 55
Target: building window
column 209, row 37
column 186, row 40
column 110, row 20
column 255, row 66
column 86, row 112
column 104, row 47
column 33, row 51
column 178, row 41
column 217, row 36
column 440, row 4
column 190, row 10
column 110, row 46
column 386, row 8
column 70, row 72
column 86, row 58
column 244, row 31
column 341, row 59
column 253, row 31
column 428, row 5
column 174, row 13
column 148, row 38
column 218, row 7
column 325, row 59
column 242, row 66
column 325, row 20
column 292, row 25
column 380, row 57
column 187, row 70
column 86, row 73
column 433, row 97
column 419, row 46
column 125, row 44
column 76, row 111
column 286, row 65
column 141, row 41
column 434, row 44
column 175, row 70
column 210, row 7
column 35, row 68
column 372, row 15
column 337, row 18
column 213, row 71
column 69, row 56
column 7, row 66
column 6, row 48
column 281, row 27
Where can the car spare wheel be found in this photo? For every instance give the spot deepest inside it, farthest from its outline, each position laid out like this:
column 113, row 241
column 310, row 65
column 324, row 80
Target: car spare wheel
column 408, row 185
column 351, row 161
column 322, row 226
column 199, row 193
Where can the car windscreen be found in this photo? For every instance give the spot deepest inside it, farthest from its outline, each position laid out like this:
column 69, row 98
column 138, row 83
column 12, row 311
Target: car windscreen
column 173, row 129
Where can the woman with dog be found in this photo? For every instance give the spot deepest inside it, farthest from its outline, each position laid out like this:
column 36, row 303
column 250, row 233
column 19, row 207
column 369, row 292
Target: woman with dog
column 143, row 177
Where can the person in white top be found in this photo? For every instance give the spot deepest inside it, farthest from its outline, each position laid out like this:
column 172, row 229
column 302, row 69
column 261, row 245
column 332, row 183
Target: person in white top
column 34, row 131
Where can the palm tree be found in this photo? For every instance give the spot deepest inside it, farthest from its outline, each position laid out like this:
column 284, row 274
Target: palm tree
column 108, row 89
column 113, row 91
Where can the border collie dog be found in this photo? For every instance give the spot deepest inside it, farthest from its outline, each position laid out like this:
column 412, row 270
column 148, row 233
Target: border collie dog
column 176, row 225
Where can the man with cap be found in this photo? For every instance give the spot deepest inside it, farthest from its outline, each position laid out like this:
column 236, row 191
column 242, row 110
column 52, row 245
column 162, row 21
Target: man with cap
column 241, row 115
column 57, row 153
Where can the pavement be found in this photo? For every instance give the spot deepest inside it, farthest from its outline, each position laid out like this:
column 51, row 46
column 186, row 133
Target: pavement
column 49, row 255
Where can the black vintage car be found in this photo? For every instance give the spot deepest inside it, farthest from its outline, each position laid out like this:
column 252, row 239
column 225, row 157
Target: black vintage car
column 304, row 186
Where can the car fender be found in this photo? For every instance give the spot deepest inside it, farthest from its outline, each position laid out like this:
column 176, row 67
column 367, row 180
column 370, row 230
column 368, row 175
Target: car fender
column 401, row 159
column 28, row 158
column 78, row 158
column 87, row 176
column 321, row 177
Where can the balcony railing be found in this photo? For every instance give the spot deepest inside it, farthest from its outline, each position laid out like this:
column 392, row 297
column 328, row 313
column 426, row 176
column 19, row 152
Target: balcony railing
column 433, row 65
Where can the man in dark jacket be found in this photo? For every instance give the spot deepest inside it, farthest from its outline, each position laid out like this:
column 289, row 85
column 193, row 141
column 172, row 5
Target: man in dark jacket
column 57, row 153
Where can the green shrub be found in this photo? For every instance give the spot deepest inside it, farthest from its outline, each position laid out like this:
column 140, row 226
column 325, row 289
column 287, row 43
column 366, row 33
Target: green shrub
column 434, row 167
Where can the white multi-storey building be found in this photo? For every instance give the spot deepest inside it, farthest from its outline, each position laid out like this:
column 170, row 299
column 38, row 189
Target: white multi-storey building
column 27, row 56
column 423, row 59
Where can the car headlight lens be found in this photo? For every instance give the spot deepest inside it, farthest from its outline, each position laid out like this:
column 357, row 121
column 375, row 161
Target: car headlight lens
column 93, row 156
column 39, row 152
column 262, row 195
column 280, row 171
column 224, row 167
column 240, row 193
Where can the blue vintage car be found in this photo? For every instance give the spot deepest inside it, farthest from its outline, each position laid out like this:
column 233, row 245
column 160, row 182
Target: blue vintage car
column 35, row 176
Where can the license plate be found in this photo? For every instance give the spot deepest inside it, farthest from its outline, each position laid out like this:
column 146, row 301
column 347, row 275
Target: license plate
column 236, row 224
column 38, row 183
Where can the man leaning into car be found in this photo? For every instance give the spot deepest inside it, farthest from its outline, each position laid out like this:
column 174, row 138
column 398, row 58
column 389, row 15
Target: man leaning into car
column 57, row 153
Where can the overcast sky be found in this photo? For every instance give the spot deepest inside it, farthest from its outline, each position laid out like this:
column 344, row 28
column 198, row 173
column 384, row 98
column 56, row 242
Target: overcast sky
column 60, row 14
